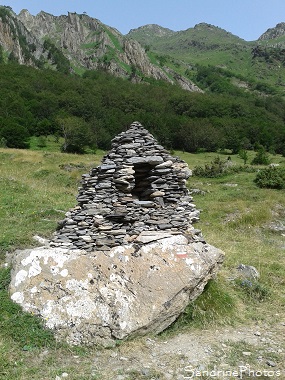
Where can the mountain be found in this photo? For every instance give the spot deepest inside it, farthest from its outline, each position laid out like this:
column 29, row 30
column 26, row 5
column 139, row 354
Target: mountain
column 147, row 33
column 75, row 97
column 208, row 45
column 274, row 33
column 77, row 43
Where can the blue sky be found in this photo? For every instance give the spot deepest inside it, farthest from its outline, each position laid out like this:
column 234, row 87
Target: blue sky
column 247, row 19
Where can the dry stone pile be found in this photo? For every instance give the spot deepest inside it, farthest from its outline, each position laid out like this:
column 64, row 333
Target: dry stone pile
column 138, row 187
column 126, row 260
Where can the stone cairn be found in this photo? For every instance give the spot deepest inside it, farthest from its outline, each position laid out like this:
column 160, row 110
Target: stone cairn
column 138, row 187
column 126, row 261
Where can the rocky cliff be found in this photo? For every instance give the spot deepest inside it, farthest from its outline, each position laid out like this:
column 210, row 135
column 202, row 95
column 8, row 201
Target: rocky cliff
column 77, row 42
column 272, row 33
column 16, row 41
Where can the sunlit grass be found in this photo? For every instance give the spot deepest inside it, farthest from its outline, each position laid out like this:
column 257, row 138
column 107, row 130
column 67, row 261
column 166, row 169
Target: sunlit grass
column 37, row 188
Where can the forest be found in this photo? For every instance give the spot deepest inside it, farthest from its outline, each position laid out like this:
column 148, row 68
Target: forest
column 89, row 110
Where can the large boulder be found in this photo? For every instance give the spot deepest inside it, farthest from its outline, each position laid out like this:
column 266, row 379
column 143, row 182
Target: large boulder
column 126, row 260
column 98, row 297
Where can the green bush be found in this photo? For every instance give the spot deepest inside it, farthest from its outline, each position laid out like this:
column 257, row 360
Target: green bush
column 216, row 168
column 261, row 157
column 272, row 178
column 14, row 135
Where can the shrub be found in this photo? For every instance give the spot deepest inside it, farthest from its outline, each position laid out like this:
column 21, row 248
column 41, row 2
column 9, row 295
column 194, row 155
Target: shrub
column 219, row 167
column 14, row 135
column 216, row 168
column 243, row 154
column 254, row 289
column 272, row 178
column 261, row 157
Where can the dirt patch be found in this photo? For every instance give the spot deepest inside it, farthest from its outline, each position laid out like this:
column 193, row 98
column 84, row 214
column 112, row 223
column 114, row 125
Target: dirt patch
column 258, row 348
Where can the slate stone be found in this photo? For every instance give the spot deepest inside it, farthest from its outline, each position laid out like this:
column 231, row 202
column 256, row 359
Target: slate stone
column 144, row 203
column 151, row 160
column 164, row 226
column 107, row 167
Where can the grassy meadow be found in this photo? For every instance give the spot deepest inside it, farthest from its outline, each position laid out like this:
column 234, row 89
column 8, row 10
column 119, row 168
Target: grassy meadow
column 39, row 186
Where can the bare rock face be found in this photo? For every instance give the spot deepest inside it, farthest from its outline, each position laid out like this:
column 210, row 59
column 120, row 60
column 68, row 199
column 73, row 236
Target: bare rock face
column 134, row 54
column 272, row 33
column 85, row 42
column 11, row 31
column 126, row 260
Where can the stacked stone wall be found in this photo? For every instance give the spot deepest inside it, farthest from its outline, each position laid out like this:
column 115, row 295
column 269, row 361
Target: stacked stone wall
column 138, row 187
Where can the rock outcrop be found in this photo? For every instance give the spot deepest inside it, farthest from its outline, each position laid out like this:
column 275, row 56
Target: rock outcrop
column 272, row 33
column 81, row 42
column 19, row 44
column 126, row 260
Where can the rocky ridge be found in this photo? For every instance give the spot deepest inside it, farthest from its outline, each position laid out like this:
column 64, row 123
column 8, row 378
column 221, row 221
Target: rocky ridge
column 85, row 42
column 272, row 33
column 17, row 41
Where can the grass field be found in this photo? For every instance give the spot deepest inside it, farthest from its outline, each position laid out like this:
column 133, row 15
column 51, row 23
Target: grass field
column 39, row 186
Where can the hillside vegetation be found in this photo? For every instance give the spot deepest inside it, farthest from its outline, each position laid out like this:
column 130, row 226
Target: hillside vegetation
column 213, row 47
column 89, row 111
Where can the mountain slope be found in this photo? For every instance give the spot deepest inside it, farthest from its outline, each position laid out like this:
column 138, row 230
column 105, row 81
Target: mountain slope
column 79, row 43
column 209, row 45
column 147, row 33
column 201, row 42
column 276, row 33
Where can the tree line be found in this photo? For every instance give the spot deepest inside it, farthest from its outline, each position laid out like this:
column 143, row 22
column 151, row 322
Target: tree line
column 89, row 111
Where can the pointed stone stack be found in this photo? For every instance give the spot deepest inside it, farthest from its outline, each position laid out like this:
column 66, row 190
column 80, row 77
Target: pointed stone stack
column 138, row 187
column 126, row 261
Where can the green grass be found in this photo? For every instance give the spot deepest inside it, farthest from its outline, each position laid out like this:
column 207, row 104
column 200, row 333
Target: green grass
column 39, row 186
column 114, row 39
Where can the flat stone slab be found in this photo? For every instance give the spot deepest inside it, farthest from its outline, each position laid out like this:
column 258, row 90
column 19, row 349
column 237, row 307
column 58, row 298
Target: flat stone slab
column 151, row 160
column 150, row 236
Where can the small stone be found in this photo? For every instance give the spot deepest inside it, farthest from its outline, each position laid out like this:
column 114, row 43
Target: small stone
column 87, row 238
column 107, row 167
column 157, row 194
column 164, row 226
column 246, row 353
column 165, row 164
column 248, row 271
column 271, row 363
column 257, row 333
column 145, row 371
column 144, row 203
